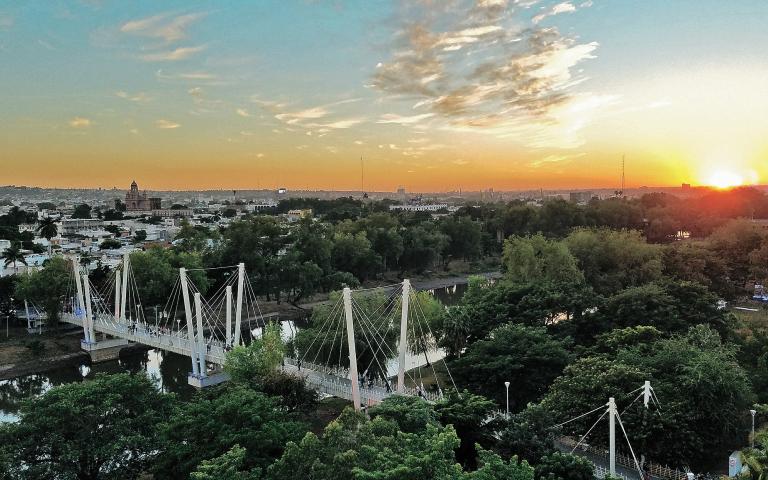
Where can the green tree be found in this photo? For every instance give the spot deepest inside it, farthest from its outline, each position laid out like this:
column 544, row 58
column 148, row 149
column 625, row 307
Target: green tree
column 536, row 304
column 354, row 254
column 557, row 217
column 464, row 237
column 194, row 238
column 529, row 434
column 110, row 244
column 105, row 428
column 454, row 330
column 298, row 279
column 47, row 228
column 353, row 447
column 411, row 414
column 250, row 364
column 536, row 259
column 156, row 270
column 492, row 467
column 227, row 466
column 510, row 354
column 734, row 242
column 613, row 260
column 668, row 306
column 423, row 247
column 472, row 416
column 694, row 262
column 13, row 256
column 564, row 466
column 82, row 211
column 139, row 236
column 47, row 287
column 113, row 229
column 212, row 422
column 256, row 242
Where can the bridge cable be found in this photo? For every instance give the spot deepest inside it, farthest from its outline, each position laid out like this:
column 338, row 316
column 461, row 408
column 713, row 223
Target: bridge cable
column 418, row 308
column 378, row 332
column 588, row 431
column 326, row 321
column 429, row 328
column 381, row 341
column 382, row 370
column 637, row 465
column 578, row 417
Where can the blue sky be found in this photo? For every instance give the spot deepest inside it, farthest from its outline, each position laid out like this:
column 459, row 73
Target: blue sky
column 434, row 94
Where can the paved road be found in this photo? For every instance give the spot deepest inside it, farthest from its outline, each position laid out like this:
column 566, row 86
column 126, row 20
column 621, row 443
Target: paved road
column 631, row 474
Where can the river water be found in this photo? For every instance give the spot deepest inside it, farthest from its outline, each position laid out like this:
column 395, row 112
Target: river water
column 168, row 369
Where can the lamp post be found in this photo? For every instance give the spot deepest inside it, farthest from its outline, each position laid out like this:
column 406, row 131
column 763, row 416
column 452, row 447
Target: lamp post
column 8, row 318
column 752, row 437
column 506, row 386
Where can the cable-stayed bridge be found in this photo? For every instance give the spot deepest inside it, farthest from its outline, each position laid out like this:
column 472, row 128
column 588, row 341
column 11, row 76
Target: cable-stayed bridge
column 348, row 351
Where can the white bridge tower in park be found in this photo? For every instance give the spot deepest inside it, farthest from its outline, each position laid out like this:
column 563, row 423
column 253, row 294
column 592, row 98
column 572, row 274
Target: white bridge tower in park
column 349, row 351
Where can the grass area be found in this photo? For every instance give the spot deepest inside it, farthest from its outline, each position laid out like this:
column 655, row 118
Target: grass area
column 23, row 347
column 757, row 320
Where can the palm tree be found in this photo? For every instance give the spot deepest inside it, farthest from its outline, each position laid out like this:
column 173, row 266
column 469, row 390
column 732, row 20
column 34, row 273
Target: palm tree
column 756, row 459
column 47, row 229
column 13, row 255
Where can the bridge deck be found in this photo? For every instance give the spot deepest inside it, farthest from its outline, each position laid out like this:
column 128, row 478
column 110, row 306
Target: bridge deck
column 319, row 377
column 172, row 342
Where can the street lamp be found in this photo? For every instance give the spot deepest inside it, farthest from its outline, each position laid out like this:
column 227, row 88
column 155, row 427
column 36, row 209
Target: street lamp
column 752, row 437
column 506, row 385
column 8, row 318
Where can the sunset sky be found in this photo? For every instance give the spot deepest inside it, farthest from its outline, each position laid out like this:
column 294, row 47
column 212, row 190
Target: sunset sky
column 433, row 94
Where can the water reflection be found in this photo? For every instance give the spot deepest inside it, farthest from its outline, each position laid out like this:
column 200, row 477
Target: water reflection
column 449, row 296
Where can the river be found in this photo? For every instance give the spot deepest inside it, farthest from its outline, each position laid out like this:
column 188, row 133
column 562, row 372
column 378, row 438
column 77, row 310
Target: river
column 169, row 369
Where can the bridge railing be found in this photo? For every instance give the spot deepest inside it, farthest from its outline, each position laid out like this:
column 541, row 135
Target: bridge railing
column 602, row 472
column 337, row 379
column 656, row 470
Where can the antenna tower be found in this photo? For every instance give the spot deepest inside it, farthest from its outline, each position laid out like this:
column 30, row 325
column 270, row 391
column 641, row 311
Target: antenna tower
column 622, row 175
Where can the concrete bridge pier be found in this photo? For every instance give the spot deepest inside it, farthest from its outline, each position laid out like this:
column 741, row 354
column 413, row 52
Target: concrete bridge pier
column 104, row 350
column 210, row 379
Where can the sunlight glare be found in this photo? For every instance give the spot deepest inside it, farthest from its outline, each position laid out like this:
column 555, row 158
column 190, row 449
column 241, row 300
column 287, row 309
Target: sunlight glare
column 725, row 179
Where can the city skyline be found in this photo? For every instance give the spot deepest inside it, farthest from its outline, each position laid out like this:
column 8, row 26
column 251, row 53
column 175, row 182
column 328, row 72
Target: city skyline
column 434, row 96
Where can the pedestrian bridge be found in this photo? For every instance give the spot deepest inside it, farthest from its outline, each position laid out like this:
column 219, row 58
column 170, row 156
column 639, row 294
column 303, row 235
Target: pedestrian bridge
column 349, row 331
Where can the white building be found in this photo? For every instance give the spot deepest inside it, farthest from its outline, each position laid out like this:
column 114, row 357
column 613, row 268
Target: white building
column 432, row 207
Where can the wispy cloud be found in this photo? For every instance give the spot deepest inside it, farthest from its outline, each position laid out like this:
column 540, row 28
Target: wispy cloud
column 80, row 122
column 176, row 54
column 242, row 112
column 563, row 7
column 403, row 120
column 205, row 77
column 339, row 124
column 164, row 26
column 166, row 124
column 139, row 97
column 556, row 159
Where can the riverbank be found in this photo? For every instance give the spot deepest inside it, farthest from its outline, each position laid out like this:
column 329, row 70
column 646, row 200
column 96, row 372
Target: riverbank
column 25, row 354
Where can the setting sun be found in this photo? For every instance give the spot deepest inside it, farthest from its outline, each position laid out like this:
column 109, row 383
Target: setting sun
column 725, row 179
